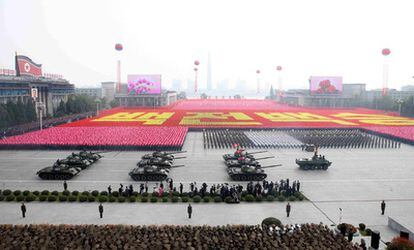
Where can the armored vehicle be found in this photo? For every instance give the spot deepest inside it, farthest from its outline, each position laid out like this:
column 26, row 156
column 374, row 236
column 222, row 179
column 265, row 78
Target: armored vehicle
column 240, row 153
column 75, row 161
column 163, row 155
column 159, row 162
column 149, row 173
column 316, row 162
column 90, row 156
column 59, row 171
column 245, row 161
column 248, row 173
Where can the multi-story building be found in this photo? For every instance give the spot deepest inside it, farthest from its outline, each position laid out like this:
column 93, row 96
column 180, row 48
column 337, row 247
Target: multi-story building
column 49, row 91
column 94, row 92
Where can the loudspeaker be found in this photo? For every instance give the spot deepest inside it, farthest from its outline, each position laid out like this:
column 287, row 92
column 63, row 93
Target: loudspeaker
column 375, row 238
column 404, row 235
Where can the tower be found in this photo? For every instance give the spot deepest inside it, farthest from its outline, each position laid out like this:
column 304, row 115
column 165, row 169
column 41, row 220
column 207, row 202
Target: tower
column 209, row 87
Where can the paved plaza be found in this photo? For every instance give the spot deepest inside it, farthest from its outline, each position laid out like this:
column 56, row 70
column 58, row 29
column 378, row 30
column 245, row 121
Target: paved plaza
column 357, row 181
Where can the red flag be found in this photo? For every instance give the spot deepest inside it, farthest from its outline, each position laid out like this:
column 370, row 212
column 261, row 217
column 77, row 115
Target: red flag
column 26, row 67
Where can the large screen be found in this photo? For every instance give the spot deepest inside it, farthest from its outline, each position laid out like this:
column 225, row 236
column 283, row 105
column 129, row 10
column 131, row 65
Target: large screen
column 144, row 84
column 326, row 85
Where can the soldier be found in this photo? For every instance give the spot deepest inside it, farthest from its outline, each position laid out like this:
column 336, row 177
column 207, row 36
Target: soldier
column 288, row 209
column 100, row 208
column 109, row 190
column 189, row 210
column 23, row 208
column 382, row 207
column 65, row 186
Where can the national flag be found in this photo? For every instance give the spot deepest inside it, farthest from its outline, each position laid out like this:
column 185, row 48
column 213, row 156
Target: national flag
column 26, row 67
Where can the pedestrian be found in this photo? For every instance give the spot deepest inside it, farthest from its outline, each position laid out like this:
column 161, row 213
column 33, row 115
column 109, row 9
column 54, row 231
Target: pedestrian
column 288, row 209
column 189, row 210
column 100, row 210
column 109, row 190
column 23, row 208
column 146, row 187
column 382, row 207
column 65, row 186
column 181, row 188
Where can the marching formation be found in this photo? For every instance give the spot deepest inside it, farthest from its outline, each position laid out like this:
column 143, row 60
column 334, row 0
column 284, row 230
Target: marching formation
column 306, row 236
column 295, row 138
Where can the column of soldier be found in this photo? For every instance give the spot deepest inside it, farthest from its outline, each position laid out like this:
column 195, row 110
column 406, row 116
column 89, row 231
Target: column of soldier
column 307, row 236
column 282, row 187
column 294, row 138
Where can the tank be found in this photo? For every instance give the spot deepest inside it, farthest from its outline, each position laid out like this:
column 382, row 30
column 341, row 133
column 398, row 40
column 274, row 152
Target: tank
column 164, row 155
column 241, row 153
column 316, row 162
column 59, row 171
column 248, row 173
column 159, row 162
column 90, row 156
column 245, row 161
column 75, row 161
column 149, row 173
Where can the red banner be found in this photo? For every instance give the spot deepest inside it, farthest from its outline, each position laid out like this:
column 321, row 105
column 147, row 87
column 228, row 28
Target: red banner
column 26, row 67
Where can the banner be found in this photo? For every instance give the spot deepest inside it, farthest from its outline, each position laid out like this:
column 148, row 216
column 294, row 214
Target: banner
column 26, row 67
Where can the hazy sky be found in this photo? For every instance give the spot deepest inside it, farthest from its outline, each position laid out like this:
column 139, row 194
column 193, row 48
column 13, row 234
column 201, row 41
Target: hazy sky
column 311, row 37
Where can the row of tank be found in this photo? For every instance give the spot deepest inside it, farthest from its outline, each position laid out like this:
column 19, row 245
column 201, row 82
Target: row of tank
column 151, row 167
column 65, row 169
column 243, row 166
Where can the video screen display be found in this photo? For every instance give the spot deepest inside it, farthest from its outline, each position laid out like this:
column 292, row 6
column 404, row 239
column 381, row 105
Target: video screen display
column 144, row 84
column 326, row 85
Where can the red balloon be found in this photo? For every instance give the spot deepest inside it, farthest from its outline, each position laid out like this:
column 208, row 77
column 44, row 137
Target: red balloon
column 386, row 51
column 118, row 47
column 279, row 68
column 196, row 62
column 195, row 69
column 257, row 71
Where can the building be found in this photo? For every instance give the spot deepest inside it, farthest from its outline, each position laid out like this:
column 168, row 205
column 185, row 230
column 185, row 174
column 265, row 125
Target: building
column 108, row 90
column 49, row 91
column 94, row 92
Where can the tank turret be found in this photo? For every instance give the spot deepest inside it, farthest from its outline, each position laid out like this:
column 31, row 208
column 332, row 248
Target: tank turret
column 159, row 162
column 241, row 153
column 90, row 156
column 59, row 171
column 149, row 173
column 164, row 155
column 75, row 161
column 245, row 161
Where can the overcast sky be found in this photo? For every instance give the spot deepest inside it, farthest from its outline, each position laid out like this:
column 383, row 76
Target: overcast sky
column 76, row 38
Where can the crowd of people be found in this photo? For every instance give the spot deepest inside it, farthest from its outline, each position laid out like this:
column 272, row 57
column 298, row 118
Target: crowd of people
column 296, row 138
column 46, row 123
column 307, row 236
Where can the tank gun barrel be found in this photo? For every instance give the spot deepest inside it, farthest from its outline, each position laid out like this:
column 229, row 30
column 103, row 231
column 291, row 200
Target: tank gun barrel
column 177, row 152
column 268, row 157
column 257, row 152
column 182, row 157
column 177, row 166
column 272, row 166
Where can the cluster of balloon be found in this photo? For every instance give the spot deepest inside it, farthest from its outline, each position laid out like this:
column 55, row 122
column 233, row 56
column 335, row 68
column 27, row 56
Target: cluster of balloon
column 386, row 51
column 118, row 47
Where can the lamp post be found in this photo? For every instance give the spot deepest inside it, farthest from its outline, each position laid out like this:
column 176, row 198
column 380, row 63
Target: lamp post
column 399, row 102
column 258, row 81
column 119, row 48
column 97, row 101
column 385, row 52
column 40, row 107
column 279, row 79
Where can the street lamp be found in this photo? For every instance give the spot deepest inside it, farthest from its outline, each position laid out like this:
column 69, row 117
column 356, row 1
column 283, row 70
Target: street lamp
column 97, row 101
column 196, row 63
column 40, row 107
column 399, row 102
